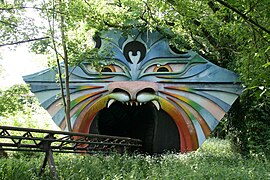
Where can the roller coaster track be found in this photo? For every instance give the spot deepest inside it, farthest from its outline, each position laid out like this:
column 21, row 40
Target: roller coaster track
column 49, row 142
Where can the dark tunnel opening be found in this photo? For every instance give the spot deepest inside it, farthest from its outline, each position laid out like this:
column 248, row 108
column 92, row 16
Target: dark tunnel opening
column 156, row 129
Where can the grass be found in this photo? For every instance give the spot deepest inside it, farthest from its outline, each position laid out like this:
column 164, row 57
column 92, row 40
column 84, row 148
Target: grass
column 214, row 160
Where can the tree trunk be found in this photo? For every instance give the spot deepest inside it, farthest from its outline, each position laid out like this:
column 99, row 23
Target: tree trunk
column 64, row 45
column 66, row 103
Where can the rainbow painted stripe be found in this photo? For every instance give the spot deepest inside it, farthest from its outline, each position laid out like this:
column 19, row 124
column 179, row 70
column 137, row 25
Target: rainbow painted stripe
column 194, row 92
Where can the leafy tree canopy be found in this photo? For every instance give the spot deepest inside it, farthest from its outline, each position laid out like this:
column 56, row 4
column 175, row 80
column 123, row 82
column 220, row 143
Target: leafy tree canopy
column 234, row 34
column 15, row 99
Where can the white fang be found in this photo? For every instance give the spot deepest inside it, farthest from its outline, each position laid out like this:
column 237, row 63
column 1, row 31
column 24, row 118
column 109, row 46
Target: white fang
column 156, row 104
column 110, row 102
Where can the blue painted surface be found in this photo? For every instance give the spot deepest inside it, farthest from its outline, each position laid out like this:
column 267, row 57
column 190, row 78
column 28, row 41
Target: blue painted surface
column 217, row 87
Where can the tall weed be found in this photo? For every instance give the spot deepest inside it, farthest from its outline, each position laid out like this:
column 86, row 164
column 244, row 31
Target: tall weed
column 214, row 160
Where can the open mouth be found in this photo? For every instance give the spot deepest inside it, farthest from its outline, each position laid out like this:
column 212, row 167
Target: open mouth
column 140, row 120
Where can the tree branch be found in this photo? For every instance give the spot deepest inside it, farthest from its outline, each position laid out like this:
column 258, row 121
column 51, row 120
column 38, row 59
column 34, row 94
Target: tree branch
column 7, row 23
column 251, row 7
column 19, row 7
column 207, row 34
column 243, row 16
column 24, row 41
column 87, row 3
column 150, row 13
column 27, row 7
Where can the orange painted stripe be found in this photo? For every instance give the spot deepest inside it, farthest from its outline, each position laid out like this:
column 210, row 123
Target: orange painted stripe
column 190, row 125
column 83, row 123
column 185, row 136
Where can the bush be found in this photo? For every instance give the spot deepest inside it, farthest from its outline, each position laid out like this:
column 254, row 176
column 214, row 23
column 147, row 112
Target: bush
column 247, row 125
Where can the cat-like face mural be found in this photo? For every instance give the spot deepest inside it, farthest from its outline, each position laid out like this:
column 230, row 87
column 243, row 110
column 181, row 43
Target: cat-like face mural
column 171, row 101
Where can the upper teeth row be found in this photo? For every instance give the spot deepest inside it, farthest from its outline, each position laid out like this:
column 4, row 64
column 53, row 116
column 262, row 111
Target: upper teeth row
column 136, row 103
column 111, row 101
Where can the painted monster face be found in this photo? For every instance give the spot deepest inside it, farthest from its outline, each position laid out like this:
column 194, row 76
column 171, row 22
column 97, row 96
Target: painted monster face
column 171, row 101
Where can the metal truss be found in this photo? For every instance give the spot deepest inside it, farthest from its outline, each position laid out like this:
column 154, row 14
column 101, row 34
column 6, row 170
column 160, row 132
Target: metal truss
column 48, row 141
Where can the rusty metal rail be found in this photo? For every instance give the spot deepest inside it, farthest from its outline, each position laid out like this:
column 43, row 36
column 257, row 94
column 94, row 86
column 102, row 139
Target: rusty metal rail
column 48, row 141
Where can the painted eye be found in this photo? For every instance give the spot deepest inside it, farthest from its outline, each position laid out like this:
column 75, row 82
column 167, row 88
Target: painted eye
column 165, row 68
column 109, row 68
column 112, row 68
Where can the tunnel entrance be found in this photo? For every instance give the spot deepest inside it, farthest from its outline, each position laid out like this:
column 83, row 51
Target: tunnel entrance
column 156, row 129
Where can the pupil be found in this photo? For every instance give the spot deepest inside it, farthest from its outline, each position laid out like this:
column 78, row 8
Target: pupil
column 106, row 69
column 163, row 69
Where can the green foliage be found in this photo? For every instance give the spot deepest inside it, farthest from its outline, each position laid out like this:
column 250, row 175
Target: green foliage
column 15, row 24
column 232, row 34
column 14, row 99
column 214, row 160
column 257, row 125
column 19, row 108
column 247, row 125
